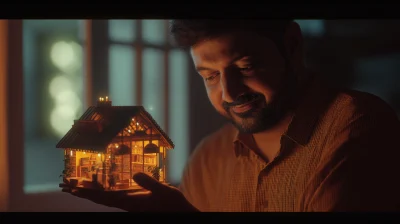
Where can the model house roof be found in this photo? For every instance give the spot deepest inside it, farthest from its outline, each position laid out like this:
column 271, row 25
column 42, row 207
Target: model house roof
column 100, row 124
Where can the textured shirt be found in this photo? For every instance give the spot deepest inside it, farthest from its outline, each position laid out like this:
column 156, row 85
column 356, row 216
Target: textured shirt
column 339, row 153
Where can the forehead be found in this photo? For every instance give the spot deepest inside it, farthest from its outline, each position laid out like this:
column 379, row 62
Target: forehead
column 229, row 46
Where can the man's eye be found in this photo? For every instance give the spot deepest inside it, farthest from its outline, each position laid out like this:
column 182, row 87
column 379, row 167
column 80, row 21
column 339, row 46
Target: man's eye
column 247, row 68
column 212, row 78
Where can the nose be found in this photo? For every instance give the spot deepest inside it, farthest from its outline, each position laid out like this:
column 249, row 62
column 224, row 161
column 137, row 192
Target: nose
column 232, row 86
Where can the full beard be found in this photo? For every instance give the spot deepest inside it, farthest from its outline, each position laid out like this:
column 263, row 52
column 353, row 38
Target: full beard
column 260, row 118
column 264, row 115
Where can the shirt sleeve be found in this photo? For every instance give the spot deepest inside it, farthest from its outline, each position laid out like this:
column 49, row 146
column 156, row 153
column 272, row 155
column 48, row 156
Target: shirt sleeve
column 360, row 171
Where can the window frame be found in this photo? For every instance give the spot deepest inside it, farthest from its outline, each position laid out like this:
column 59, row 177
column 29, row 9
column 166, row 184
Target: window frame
column 100, row 50
column 139, row 45
column 11, row 109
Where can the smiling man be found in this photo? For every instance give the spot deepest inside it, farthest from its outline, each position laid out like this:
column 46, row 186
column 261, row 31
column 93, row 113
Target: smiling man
column 293, row 144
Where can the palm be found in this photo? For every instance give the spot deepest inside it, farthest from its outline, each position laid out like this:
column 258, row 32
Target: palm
column 159, row 197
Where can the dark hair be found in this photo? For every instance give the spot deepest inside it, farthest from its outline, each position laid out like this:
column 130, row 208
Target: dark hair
column 188, row 32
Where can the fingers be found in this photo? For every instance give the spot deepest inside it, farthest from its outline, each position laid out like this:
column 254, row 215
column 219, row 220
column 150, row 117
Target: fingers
column 149, row 183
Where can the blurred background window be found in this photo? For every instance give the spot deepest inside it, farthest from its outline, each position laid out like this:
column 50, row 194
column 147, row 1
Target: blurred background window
column 54, row 93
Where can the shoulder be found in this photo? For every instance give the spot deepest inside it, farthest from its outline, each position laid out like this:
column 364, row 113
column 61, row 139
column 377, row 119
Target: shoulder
column 360, row 123
column 363, row 102
column 342, row 104
column 362, row 108
column 359, row 157
column 354, row 122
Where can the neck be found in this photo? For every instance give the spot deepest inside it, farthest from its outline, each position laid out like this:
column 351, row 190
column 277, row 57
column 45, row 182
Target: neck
column 268, row 142
column 272, row 134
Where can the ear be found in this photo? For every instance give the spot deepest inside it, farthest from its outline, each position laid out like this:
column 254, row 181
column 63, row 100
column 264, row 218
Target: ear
column 293, row 41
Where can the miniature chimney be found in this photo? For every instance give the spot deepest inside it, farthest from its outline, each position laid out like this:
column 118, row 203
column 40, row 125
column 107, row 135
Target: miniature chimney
column 104, row 101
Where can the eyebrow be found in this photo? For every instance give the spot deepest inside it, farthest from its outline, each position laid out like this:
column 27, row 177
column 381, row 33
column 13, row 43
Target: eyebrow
column 199, row 69
column 239, row 57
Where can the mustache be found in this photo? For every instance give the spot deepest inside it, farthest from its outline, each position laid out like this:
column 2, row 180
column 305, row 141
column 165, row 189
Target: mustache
column 242, row 99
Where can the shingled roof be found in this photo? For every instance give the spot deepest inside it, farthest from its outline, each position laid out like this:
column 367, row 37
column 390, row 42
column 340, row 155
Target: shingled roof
column 89, row 133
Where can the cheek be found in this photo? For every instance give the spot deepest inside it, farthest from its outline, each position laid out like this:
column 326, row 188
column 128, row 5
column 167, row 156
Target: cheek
column 264, row 88
column 267, row 81
column 270, row 78
column 215, row 98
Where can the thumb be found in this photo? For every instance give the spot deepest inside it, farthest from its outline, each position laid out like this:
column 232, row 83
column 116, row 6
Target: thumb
column 148, row 182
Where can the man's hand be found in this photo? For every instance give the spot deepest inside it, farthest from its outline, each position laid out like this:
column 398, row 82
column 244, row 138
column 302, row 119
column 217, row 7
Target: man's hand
column 159, row 197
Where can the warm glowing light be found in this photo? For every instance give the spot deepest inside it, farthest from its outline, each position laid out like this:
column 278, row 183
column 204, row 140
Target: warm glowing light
column 99, row 98
column 62, row 54
column 67, row 56
column 61, row 119
column 84, row 152
column 71, row 153
column 129, row 131
column 116, row 146
column 58, row 84
column 106, row 98
column 68, row 98
column 98, row 155
column 137, row 123
column 133, row 119
column 109, row 156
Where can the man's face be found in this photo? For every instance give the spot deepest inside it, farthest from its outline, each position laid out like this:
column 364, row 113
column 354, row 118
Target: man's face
column 244, row 75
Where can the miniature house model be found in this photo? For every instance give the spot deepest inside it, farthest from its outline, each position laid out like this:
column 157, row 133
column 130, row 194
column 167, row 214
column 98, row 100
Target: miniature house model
column 108, row 144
